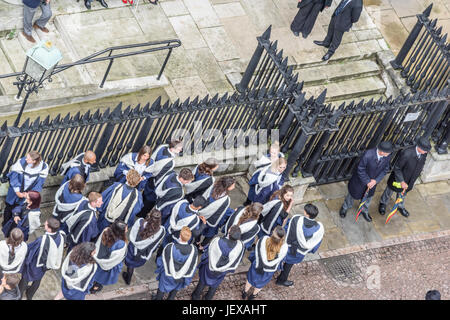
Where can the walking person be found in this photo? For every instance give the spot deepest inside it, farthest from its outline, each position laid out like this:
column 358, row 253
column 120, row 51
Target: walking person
column 246, row 218
column 307, row 15
column 176, row 266
column 88, row 4
column 13, row 251
column 29, row 9
column 78, row 270
column 203, row 180
column 140, row 161
column 346, row 14
column 43, row 254
column 28, row 173
column 221, row 256
column 110, row 252
column 266, row 259
column 372, row 167
column 303, row 235
column 406, row 170
column 146, row 236
column 81, row 164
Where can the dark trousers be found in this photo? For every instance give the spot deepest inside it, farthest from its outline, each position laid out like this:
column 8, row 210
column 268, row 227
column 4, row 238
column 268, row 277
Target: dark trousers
column 306, row 18
column 284, row 275
column 334, row 37
column 7, row 213
column 160, row 295
column 129, row 274
column 199, row 289
column 31, row 290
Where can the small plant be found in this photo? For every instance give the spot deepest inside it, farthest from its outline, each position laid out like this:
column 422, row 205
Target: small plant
column 11, row 35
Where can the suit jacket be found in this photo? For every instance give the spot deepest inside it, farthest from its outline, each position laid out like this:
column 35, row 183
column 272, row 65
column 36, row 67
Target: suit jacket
column 407, row 168
column 304, row 3
column 366, row 170
column 350, row 15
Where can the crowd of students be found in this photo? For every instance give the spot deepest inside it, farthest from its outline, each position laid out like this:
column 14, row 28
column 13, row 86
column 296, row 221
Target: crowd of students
column 185, row 220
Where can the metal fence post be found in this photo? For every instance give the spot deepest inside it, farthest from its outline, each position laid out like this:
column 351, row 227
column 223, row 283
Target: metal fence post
column 442, row 145
column 107, row 133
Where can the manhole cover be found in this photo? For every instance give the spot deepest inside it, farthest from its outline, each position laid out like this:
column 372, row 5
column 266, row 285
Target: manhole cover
column 343, row 269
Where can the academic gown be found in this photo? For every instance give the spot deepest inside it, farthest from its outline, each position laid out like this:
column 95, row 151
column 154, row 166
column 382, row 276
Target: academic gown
column 176, row 192
column 167, row 283
column 29, row 270
column 24, row 225
column 16, row 183
column 207, row 182
column 74, row 294
column 264, row 195
column 106, row 277
column 120, row 176
column 209, row 232
column 309, row 228
column 278, row 221
column 107, row 194
column 68, row 197
column 149, row 189
column 184, row 212
column 76, row 170
column 90, row 232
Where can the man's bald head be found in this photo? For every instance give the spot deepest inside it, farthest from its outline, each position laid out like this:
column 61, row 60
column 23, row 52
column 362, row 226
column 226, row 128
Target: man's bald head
column 90, row 157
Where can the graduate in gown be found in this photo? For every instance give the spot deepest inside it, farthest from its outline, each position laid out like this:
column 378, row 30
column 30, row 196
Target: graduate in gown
column 221, row 256
column 82, row 226
column 170, row 191
column 267, row 159
column 265, row 181
column 121, row 202
column 303, row 235
column 203, row 180
column 81, row 164
column 176, row 266
column 28, row 173
column 266, row 260
column 78, row 270
column 276, row 211
column 13, row 251
column 246, row 218
column 140, row 161
column 43, row 254
column 67, row 199
column 163, row 162
column 307, row 15
column 110, row 252
column 218, row 210
column 26, row 216
column 146, row 236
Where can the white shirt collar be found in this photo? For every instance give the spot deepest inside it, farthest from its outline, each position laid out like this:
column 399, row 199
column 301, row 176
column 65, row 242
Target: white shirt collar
column 378, row 156
column 418, row 153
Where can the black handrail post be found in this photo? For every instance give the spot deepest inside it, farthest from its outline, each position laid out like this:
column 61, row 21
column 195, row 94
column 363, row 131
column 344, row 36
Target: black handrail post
column 22, row 86
column 397, row 63
column 251, row 67
column 16, row 123
column 107, row 70
column 164, row 64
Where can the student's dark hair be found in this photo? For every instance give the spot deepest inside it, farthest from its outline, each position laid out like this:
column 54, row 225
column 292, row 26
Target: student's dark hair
column 280, row 194
column 116, row 231
column 311, row 210
column 142, row 151
column 12, row 279
column 199, row 201
column 82, row 253
column 15, row 239
column 36, row 156
column 234, row 233
column 221, row 186
column 153, row 224
column 208, row 166
column 186, row 174
column 251, row 212
column 433, row 295
column 53, row 224
column 77, row 184
column 35, row 198
column 174, row 143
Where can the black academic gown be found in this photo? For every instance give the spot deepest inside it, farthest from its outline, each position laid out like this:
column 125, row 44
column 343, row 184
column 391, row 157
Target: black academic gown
column 307, row 15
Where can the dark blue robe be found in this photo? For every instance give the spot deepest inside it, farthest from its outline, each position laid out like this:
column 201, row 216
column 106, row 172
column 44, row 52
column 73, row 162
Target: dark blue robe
column 69, row 197
column 74, row 294
column 22, row 212
column 207, row 182
column 106, row 195
column 256, row 279
column 176, row 192
column 149, row 189
column 106, row 277
column 119, row 175
column 366, row 170
column 265, row 194
column 89, row 233
column 212, row 231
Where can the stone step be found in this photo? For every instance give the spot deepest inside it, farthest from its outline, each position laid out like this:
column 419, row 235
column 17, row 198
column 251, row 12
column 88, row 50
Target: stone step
column 338, row 72
column 348, row 89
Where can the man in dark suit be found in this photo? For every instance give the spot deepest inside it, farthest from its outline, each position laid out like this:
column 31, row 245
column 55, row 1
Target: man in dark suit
column 307, row 15
column 406, row 170
column 346, row 13
column 371, row 169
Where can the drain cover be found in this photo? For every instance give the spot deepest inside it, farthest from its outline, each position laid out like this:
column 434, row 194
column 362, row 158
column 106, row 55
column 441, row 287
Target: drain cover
column 343, row 269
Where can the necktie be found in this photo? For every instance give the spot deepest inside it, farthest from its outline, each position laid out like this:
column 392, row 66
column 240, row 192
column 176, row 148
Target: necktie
column 341, row 7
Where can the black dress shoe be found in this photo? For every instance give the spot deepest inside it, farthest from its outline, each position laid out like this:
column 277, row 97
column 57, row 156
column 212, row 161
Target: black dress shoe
column 87, row 4
column 321, row 43
column 366, row 216
column 403, row 212
column 286, row 283
column 382, row 209
column 326, row 57
column 304, row 35
column 125, row 278
column 296, row 33
column 342, row 212
column 103, row 3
